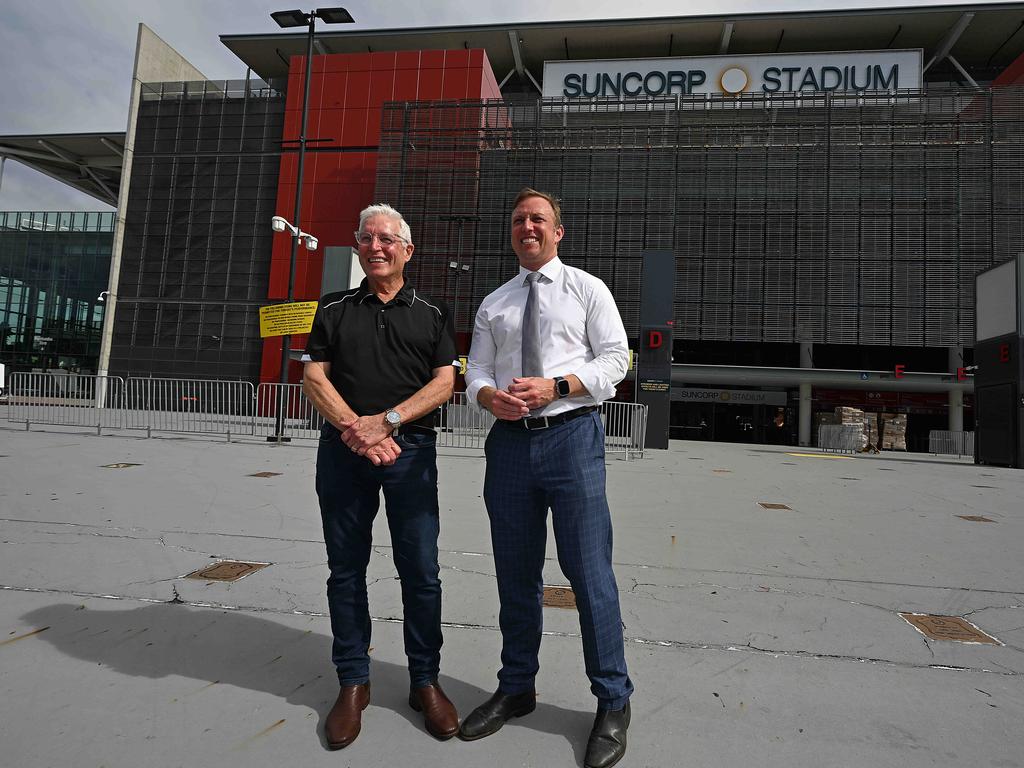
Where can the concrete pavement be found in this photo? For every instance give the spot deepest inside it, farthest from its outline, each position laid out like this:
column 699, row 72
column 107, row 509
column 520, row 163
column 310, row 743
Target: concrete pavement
column 767, row 637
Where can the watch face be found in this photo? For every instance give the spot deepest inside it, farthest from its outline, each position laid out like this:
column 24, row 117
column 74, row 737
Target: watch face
column 563, row 388
column 393, row 417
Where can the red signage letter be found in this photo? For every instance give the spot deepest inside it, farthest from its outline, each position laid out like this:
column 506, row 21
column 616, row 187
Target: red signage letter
column 1004, row 353
column 900, row 367
column 654, row 339
column 961, row 373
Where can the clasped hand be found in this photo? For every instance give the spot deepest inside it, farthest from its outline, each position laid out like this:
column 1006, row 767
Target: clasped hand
column 523, row 395
column 370, row 436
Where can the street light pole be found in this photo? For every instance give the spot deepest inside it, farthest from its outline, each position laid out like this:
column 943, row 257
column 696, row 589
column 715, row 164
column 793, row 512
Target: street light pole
column 287, row 19
column 457, row 265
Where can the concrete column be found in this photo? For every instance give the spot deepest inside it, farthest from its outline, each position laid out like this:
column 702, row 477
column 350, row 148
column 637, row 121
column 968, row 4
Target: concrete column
column 956, row 396
column 804, row 420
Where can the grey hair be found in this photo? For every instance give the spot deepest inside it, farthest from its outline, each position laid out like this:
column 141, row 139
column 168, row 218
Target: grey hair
column 383, row 209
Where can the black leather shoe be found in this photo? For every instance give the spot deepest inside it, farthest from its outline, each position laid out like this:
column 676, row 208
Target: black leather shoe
column 607, row 742
column 492, row 714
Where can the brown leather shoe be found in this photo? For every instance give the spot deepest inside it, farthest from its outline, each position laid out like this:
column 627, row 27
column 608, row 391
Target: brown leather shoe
column 439, row 713
column 346, row 716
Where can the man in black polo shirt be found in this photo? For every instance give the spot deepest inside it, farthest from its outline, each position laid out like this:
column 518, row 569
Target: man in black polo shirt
column 379, row 363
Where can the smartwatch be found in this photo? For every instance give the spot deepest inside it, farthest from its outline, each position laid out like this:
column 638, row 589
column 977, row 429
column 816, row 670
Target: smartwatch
column 562, row 387
column 394, row 419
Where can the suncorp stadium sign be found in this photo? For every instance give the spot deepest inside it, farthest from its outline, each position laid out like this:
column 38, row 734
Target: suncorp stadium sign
column 848, row 72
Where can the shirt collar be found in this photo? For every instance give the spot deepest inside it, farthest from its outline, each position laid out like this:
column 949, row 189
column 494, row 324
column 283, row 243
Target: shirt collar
column 551, row 270
column 406, row 294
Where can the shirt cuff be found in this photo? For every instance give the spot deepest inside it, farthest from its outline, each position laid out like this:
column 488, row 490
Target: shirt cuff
column 473, row 390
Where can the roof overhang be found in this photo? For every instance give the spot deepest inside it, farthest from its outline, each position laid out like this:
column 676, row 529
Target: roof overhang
column 993, row 38
column 89, row 162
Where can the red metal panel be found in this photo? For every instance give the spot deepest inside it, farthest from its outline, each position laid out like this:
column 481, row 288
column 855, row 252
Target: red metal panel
column 406, row 85
column 431, row 59
column 382, row 87
column 382, row 61
column 455, row 83
column 407, row 60
column 457, row 58
column 353, row 130
column 430, row 84
column 358, row 94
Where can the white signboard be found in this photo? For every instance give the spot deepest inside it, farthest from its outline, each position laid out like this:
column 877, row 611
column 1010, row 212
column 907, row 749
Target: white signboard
column 996, row 301
column 848, row 72
column 728, row 396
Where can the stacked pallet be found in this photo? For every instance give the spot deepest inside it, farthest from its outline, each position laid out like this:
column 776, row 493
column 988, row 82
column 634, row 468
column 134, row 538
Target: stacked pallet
column 854, row 417
column 894, row 431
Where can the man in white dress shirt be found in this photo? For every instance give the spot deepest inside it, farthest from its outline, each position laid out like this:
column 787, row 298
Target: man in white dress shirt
column 542, row 364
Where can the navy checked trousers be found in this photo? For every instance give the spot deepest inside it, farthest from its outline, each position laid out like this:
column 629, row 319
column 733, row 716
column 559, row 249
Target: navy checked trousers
column 561, row 468
column 349, row 487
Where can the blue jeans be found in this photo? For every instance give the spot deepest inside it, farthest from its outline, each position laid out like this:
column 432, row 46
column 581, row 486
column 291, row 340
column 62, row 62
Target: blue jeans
column 561, row 468
column 349, row 488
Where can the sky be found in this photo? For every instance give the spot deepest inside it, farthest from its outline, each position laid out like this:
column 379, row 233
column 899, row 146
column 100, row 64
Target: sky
column 67, row 66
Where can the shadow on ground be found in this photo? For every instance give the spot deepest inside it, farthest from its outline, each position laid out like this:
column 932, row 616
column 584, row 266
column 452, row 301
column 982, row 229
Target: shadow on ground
column 232, row 648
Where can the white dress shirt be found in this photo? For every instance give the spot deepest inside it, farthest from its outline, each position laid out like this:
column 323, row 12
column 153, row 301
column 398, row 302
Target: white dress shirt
column 580, row 329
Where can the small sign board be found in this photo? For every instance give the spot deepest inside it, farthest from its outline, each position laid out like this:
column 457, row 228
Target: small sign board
column 287, row 319
column 226, row 570
column 559, row 597
column 948, row 628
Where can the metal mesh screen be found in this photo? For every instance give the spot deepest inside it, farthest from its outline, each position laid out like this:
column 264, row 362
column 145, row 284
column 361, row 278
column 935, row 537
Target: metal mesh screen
column 831, row 219
column 196, row 255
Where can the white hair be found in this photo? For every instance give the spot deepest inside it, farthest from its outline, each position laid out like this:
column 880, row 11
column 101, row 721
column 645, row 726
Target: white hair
column 383, row 209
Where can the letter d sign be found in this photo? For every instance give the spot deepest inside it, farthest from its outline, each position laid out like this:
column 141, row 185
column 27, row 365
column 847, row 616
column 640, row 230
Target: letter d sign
column 654, row 339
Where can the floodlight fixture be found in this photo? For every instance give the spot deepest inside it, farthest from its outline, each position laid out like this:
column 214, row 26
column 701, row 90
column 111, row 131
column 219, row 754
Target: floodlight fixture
column 334, row 16
column 287, row 19
column 278, row 224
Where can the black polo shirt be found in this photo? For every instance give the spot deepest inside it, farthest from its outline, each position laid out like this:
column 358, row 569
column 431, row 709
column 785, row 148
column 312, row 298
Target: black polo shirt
column 381, row 354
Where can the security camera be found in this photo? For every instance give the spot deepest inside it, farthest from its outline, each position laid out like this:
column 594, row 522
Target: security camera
column 278, row 224
column 311, row 243
column 103, row 296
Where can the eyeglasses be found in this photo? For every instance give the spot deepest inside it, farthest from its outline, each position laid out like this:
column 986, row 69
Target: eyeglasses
column 386, row 240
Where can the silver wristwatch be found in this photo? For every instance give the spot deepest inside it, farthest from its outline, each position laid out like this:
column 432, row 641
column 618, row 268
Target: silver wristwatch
column 394, row 419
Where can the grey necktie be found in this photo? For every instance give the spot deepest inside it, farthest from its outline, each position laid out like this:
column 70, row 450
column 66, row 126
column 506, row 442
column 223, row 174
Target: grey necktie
column 532, row 365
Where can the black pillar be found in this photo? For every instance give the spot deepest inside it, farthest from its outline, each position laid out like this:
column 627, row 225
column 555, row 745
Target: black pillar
column 654, row 366
column 999, row 362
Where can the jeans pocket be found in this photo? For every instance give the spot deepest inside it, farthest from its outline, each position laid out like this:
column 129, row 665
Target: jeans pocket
column 329, row 433
column 416, row 439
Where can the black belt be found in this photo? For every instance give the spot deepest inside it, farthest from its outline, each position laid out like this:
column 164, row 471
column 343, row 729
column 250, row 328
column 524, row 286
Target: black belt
column 543, row 422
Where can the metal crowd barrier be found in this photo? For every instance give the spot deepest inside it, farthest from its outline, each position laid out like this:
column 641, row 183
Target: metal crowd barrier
column 66, row 399
column 949, row 443
column 195, row 406
column 284, row 413
column 235, row 408
column 841, row 438
column 625, row 428
column 463, row 424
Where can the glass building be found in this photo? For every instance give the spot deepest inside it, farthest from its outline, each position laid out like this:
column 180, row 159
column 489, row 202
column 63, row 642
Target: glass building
column 53, row 268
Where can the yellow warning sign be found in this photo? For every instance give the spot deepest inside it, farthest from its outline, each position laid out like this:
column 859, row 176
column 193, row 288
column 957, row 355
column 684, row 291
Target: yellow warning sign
column 287, row 319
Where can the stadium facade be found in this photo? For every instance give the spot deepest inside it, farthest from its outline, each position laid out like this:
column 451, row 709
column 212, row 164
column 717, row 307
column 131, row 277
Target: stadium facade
column 829, row 184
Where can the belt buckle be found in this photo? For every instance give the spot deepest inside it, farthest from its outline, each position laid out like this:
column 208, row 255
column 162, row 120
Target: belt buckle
column 528, row 419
